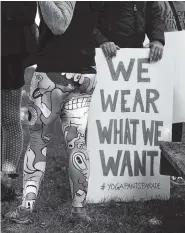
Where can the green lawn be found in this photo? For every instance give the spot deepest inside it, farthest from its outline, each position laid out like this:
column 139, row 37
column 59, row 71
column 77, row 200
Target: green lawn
column 52, row 211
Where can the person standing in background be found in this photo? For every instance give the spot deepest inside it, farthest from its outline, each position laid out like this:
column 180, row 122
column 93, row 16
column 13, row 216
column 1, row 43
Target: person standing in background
column 63, row 84
column 173, row 13
column 17, row 17
column 124, row 24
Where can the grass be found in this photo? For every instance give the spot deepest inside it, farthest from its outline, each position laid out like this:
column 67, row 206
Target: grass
column 52, row 210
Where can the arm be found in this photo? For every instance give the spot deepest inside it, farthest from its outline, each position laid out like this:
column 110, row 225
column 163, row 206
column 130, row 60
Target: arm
column 155, row 30
column 155, row 22
column 98, row 37
column 57, row 15
column 100, row 40
column 98, row 32
column 108, row 47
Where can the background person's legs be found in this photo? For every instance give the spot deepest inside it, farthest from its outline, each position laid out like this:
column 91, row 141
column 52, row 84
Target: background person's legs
column 12, row 76
column 12, row 141
column 166, row 168
column 11, row 130
column 178, row 131
column 12, row 80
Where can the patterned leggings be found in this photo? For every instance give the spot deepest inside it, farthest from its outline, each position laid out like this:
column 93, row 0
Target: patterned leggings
column 69, row 95
column 12, row 136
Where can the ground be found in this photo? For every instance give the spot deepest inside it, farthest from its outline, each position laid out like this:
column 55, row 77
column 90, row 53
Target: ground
column 52, row 211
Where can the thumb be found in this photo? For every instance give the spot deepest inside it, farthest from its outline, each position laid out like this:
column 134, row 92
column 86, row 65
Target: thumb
column 117, row 47
column 147, row 46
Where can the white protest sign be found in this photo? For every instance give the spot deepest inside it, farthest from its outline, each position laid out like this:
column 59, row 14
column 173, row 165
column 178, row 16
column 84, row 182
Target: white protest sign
column 131, row 112
column 175, row 41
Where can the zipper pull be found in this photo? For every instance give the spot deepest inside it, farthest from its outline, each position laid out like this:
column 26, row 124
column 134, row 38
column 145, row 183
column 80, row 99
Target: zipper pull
column 135, row 7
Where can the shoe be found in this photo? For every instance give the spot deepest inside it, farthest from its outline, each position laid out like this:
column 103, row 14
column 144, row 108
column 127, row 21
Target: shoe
column 20, row 215
column 8, row 180
column 177, row 180
column 155, row 222
column 80, row 216
column 7, row 194
column 7, row 187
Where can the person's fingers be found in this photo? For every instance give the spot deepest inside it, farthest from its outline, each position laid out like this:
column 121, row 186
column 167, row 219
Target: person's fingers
column 111, row 46
column 76, row 77
column 81, row 79
column 160, row 54
column 113, row 49
column 153, row 53
column 109, row 51
column 104, row 48
column 69, row 75
column 156, row 53
column 147, row 46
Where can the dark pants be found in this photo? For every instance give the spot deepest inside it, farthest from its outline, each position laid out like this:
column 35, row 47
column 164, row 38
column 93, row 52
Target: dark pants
column 177, row 136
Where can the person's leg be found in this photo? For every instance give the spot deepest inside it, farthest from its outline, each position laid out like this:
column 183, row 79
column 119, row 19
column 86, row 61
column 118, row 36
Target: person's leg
column 12, row 140
column 11, row 130
column 74, row 124
column 11, row 88
column 177, row 136
column 45, row 101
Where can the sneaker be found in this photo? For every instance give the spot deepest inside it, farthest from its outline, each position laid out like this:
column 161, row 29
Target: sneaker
column 20, row 215
column 8, row 180
column 80, row 216
column 8, row 192
column 155, row 222
column 177, row 180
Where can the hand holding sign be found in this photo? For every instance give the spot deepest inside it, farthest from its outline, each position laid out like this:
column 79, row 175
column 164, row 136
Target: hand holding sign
column 109, row 49
column 133, row 100
column 156, row 51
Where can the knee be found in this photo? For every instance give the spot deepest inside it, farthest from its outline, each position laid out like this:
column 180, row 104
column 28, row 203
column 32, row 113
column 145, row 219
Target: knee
column 37, row 128
column 33, row 117
column 11, row 121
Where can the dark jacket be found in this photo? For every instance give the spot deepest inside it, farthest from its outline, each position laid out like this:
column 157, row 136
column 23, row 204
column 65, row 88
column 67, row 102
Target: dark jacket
column 17, row 22
column 126, row 23
column 31, row 40
column 73, row 51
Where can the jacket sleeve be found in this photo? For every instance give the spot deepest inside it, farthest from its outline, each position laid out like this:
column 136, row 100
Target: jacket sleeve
column 98, row 37
column 155, row 22
column 98, row 32
column 57, row 15
column 21, row 12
